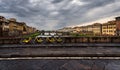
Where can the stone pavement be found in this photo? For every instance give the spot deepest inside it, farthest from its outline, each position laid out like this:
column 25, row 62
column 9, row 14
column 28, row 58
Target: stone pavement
column 60, row 65
column 61, row 52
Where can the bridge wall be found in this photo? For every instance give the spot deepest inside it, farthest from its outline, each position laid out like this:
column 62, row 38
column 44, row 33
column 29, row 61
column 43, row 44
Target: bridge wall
column 92, row 40
column 13, row 40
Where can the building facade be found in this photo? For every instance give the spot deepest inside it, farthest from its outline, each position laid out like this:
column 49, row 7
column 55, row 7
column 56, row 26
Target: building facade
column 117, row 26
column 4, row 26
column 109, row 28
column 97, row 29
column 66, row 29
column 10, row 27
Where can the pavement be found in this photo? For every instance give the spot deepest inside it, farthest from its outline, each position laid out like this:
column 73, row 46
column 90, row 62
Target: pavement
column 59, row 58
column 60, row 52
column 60, row 65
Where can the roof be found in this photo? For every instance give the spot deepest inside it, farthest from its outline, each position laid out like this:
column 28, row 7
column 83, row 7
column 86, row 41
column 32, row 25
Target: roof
column 109, row 23
column 12, row 19
column 96, row 24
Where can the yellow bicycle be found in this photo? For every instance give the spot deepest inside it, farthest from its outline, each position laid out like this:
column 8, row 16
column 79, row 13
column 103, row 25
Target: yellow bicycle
column 26, row 40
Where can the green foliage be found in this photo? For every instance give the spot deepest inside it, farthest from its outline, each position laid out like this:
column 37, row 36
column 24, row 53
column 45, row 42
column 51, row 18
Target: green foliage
column 31, row 35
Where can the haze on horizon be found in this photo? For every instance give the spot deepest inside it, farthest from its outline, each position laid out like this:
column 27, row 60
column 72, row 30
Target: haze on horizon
column 56, row 14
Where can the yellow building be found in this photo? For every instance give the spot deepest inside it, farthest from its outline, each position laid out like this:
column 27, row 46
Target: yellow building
column 4, row 26
column 30, row 29
column 17, row 28
column 12, row 24
column 109, row 28
column 11, row 27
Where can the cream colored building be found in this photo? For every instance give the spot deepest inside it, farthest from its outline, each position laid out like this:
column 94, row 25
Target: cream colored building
column 66, row 29
column 84, row 29
column 76, row 29
column 90, row 28
column 97, row 29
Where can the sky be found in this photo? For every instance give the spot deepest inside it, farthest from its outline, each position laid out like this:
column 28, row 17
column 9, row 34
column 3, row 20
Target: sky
column 56, row 14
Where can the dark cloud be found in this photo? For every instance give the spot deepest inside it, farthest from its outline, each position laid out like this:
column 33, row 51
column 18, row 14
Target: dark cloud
column 57, row 1
column 14, row 6
column 99, row 3
column 55, row 14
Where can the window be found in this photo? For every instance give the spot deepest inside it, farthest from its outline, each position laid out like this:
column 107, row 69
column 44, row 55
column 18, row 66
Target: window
column 6, row 29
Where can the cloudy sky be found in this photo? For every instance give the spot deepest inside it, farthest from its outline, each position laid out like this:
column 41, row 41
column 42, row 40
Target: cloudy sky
column 56, row 14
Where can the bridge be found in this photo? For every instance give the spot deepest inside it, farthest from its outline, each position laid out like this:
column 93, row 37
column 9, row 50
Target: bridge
column 53, row 56
column 60, row 50
column 96, row 39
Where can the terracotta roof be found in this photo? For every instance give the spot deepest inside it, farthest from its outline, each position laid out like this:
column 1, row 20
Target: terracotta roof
column 12, row 19
column 96, row 24
column 109, row 23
